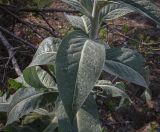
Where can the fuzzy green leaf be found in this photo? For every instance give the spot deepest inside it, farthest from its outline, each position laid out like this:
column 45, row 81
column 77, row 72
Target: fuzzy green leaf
column 146, row 7
column 39, row 78
column 26, row 100
column 82, row 23
column 84, row 6
column 115, row 90
column 36, row 76
column 86, row 118
column 126, row 64
column 78, row 66
column 46, row 52
column 114, row 11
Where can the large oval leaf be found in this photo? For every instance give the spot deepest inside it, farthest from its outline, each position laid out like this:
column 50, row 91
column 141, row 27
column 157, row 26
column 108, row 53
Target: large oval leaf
column 26, row 100
column 45, row 55
column 114, row 11
column 87, row 119
column 46, row 52
column 78, row 65
column 84, row 6
column 126, row 64
column 146, row 7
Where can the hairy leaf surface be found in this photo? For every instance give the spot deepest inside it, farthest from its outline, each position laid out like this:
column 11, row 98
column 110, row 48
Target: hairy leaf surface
column 4, row 103
column 82, row 22
column 26, row 100
column 84, row 6
column 115, row 90
column 126, row 64
column 146, row 7
column 78, row 65
column 52, row 126
column 46, row 52
column 86, row 118
column 36, row 76
column 114, row 11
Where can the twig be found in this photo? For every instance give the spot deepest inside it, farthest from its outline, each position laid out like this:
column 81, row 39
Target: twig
column 44, row 18
column 45, row 10
column 28, row 24
column 129, row 38
column 121, row 34
column 49, row 10
column 18, row 38
column 11, row 54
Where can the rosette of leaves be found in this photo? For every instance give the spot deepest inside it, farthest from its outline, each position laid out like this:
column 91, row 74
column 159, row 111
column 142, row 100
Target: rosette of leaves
column 64, row 72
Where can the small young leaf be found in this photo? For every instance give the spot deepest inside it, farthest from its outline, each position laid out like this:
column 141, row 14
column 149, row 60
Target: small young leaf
column 82, row 22
column 13, row 84
column 117, row 90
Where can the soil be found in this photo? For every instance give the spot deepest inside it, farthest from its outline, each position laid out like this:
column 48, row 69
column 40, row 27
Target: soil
column 142, row 116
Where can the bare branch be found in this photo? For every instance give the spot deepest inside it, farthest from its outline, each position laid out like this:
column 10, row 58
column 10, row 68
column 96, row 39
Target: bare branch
column 11, row 54
column 44, row 10
column 18, row 38
column 32, row 26
column 47, row 10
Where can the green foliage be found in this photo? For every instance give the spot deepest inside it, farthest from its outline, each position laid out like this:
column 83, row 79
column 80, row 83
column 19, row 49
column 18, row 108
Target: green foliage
column 125, row 28
column 13, row 85
column 114, row 90
column 76, row 56
column 126, row 64
column 103, row 33
column 65, row 72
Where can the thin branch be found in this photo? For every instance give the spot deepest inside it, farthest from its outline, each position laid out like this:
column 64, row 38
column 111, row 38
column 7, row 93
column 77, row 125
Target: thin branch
column 121, row 34
column 34, row 9
column 50, row 26
column 11, row 54
column 28, row 24
column 48, row 10
column 18, row 38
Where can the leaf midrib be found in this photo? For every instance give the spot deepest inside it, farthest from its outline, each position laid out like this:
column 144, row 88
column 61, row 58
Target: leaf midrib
column 27, row 98
column 77, row 73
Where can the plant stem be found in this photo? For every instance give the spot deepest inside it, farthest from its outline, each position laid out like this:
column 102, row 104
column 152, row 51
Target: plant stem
column 94, row 22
